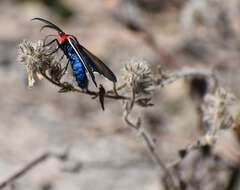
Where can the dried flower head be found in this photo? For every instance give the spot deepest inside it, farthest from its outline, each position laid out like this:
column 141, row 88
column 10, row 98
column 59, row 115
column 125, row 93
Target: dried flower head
column 218, row 114
column 35, row 58
column 217, row 108
column 137, row 76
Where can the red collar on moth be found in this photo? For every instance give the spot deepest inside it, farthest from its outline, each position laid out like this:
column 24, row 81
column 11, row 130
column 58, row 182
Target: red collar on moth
column 62, row 37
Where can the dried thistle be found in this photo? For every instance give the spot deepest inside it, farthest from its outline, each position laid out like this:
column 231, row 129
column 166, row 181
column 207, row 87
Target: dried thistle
column 217, row 113
column 138, row 78
column 36, row 59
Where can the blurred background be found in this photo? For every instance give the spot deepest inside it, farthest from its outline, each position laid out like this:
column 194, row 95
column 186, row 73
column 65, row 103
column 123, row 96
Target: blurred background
column 172, row 34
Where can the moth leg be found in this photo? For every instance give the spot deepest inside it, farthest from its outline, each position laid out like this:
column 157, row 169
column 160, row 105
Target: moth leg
column 49, row 43
column 45, row 39
column 65, row 68
column 61, row 58
column 54, row 51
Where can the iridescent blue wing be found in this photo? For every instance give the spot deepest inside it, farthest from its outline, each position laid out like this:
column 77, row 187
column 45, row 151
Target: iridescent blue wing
column 83, row 58
column 94, row 62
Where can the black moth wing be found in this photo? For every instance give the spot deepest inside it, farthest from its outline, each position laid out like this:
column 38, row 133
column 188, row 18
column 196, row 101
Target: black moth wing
column 95, row 63
column 100, row 67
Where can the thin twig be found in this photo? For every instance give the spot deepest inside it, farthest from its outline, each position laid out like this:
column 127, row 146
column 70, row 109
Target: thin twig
column 184, row 73
column 128, row 107
column 88, row 92
column 31, row 165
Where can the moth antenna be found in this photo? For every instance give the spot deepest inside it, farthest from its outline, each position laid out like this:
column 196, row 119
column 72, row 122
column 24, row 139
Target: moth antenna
column 49, row 24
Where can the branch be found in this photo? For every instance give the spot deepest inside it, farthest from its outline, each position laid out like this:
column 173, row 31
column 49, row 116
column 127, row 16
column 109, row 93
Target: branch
column 66, row 87
column 128, row 107
column 185, row 73
column 31, row 165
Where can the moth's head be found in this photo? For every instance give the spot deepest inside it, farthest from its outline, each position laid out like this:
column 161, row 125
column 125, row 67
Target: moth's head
column 62, row 37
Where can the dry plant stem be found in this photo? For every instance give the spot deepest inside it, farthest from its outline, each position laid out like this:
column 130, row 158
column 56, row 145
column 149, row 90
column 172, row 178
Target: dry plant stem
column 194, row 146
column 31, row 165
column 171, row 79
column 128, row 107
column 187, row 72
column 202, row 141
column 88, row 92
